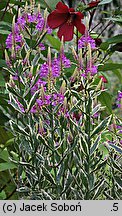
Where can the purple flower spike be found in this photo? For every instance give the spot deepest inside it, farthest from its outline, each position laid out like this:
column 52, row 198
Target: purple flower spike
column 41, row 46
column 56, row 68
column 44, row 70
column 40, row 24
column 84, row 41
column 119, row 98
column 92, row 70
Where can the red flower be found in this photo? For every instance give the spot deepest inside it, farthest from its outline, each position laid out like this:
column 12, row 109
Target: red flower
column 65, row 18
column 93, row 3
column 104, row 80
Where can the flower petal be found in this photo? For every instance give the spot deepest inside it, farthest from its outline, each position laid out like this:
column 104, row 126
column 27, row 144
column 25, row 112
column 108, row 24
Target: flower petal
column 79, row 15
column 79, row 25
column 62, row 7
column 55, row 19
column 66, row 31
column 71, row 10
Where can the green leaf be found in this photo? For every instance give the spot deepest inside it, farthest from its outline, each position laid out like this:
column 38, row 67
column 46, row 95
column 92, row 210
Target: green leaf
column 48, row 176
column 84, row 179
column 4, row 32
column 14, row 104
column 95, row 145
column 117, row 19
column 6, row 166
column 99, row 190
column 104, row 46
column 116, row 47
column 67, row 183
column 101, row 126
column 33, row 100
column 2, row 195
column 115, row 39
column 51, row 4
column 10, row 142
column 116, row 166
column 84, row 145
column 7, row 17
column 100, row 166
column 3, row 4
column 25, row 145
column 106, row 100
column 18, row 128
column 15, row 2
column 46, row 195
column 116, row 148
column 54, row 42
column 118, row 181
column 4, row 135
column 118, row 74
column 31, row 174
column 2, row 63
column 105, row 2
column 109, row 67
column 4, row 155
column 2, row 81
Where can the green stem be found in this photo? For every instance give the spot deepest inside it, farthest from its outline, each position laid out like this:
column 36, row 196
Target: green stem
column 53, row 146
column 88, row 103
column 77, row 41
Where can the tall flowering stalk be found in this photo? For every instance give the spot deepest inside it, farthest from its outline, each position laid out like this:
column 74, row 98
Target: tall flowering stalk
column 57, row 122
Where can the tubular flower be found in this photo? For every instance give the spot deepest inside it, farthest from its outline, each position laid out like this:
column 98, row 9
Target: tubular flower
column 66, row 19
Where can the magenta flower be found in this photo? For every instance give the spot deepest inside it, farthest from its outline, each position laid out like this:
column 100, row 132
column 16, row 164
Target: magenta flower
column 84, row 41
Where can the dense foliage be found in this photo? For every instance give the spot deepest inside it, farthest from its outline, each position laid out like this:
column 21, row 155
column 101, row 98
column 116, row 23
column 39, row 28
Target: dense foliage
column 60, row 100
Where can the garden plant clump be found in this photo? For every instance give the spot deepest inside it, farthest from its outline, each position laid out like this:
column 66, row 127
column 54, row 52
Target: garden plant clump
column 67, row 137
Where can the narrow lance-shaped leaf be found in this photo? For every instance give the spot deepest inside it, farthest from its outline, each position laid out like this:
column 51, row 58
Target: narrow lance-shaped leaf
column 32, row 84
column 99, row 191
column 18, row 128
column 67, row 183
column 54, row 42
column 109, row 67
column 115, row 39
column 6, row 166
column 84, row 145
column 118, row 181
column 95, row 145
column 101, row 126
column 51, row 4
column 48, row 176
column 116, row 148
column 105, row 2
column 116, row 166
column 106, row 100
column 14, row 104
column 33, row 100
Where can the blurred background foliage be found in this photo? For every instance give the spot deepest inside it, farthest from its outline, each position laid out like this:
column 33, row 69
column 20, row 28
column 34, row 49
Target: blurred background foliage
column 110, row 18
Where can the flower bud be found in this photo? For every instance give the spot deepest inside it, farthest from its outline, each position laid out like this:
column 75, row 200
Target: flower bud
column 13, row 25
column 63, row 87
column 38, row 8
column 7, row 59
column 74, row 75
column 45, row 14
column 65, row 104
column 81, row 59
column 41, row 128
column 74, row 54
column 49, row 59
column 42, row 92
column 11, row 82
